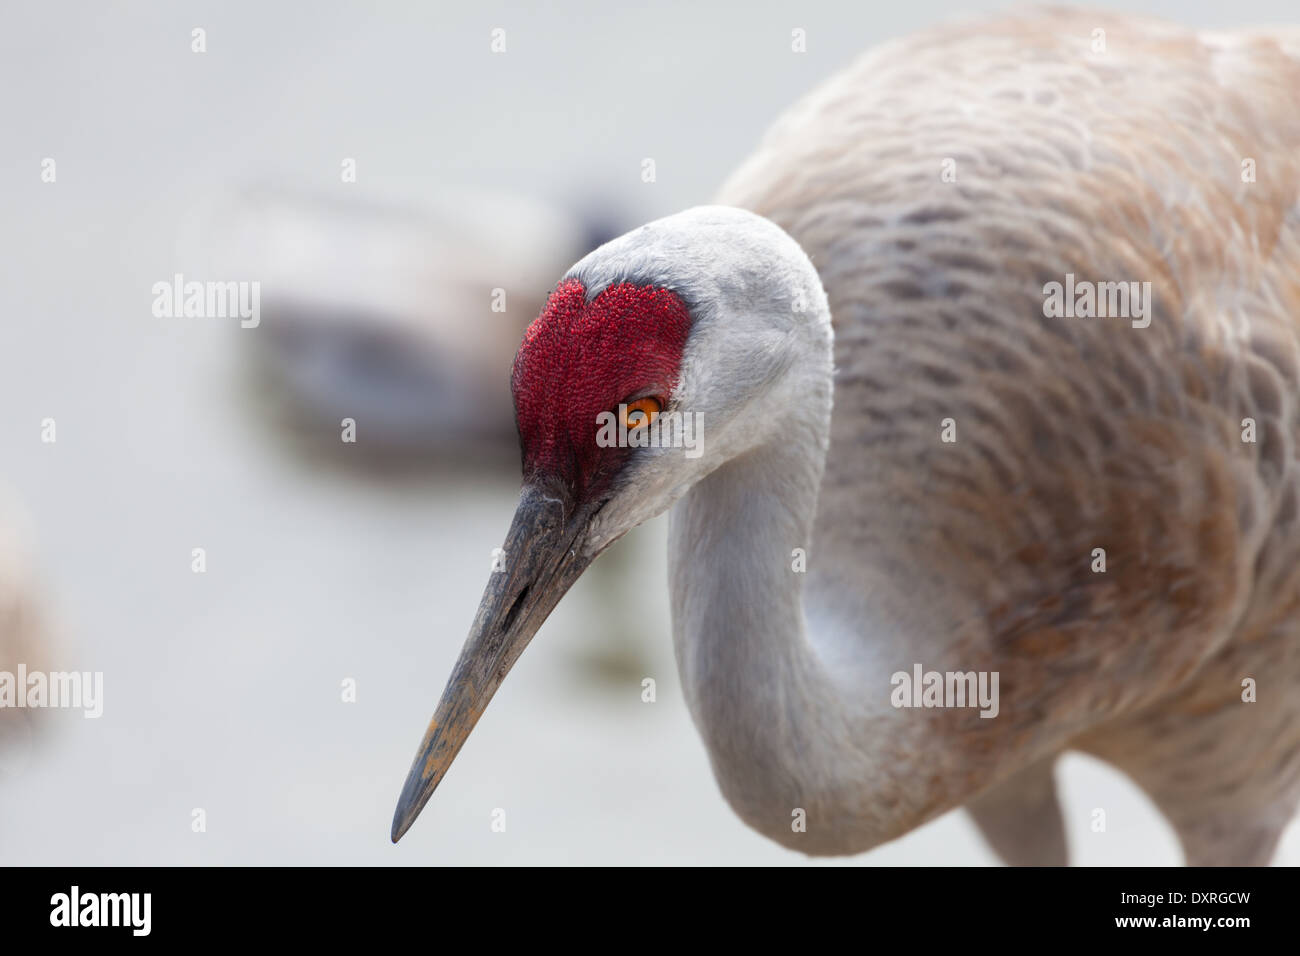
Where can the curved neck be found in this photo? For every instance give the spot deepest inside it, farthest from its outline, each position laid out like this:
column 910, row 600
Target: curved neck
column 793, row 720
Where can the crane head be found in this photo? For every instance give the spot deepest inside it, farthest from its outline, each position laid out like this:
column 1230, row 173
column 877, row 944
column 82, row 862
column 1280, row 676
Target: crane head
column 612, row 386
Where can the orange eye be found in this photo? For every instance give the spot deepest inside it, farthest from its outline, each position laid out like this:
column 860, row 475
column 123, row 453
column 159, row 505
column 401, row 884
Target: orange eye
column 640, row 413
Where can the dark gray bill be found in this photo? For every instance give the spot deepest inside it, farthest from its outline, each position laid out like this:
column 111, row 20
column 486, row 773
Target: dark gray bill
column 539, row 565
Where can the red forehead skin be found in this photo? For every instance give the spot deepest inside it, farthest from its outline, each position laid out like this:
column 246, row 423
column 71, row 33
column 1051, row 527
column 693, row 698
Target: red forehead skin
column 581, row 358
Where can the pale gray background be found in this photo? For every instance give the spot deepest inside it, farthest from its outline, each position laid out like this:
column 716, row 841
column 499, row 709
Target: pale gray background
column 223, row 689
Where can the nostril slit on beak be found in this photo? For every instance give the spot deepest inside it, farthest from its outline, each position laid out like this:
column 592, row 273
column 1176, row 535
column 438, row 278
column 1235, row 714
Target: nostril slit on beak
column 515, row 608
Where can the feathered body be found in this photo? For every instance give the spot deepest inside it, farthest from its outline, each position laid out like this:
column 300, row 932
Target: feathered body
column 1073, row 434
column 1102, row 511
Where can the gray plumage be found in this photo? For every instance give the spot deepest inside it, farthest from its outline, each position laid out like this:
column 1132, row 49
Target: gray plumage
column 936, row 189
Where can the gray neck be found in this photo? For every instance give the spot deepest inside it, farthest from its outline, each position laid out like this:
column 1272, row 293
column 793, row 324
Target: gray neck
column 793, row 719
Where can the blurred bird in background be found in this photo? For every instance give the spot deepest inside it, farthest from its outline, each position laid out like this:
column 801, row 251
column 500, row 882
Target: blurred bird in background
column 400, row 312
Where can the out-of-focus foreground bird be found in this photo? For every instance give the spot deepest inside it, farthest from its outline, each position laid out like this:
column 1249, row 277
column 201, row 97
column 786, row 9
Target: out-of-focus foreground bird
column 22, row 643
column 936, row 190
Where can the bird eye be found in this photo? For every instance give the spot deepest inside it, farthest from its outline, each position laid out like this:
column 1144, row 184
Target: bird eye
column 640, row 413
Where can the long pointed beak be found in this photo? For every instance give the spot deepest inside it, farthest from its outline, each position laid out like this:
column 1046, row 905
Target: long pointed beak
column 540, row 563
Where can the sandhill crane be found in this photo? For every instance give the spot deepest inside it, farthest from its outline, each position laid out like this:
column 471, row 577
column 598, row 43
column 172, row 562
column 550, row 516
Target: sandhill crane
column 1110, row 523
